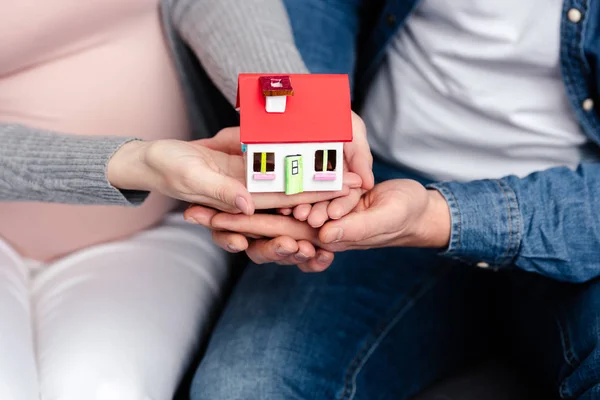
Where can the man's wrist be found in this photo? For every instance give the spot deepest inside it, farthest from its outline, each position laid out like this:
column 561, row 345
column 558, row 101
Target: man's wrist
column 436, row 222
column 127, row 169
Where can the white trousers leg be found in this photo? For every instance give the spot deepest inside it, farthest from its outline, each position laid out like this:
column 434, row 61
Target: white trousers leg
column 113, row 322
column 18, row 376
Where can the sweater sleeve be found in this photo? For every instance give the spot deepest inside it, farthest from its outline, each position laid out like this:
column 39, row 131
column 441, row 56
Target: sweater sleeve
column 44, row 166
column 232, row 36
column 228, row 37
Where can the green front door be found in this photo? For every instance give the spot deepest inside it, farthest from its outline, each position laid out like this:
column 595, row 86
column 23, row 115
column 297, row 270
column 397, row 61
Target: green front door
column 294, row 175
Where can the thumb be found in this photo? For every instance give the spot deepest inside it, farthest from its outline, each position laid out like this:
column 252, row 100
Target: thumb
column 359, row 162
column 357, row 227
column 225, row 193
column 358, row 154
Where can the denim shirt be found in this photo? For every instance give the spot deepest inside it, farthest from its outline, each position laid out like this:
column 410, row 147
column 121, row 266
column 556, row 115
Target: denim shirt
column 547, row 222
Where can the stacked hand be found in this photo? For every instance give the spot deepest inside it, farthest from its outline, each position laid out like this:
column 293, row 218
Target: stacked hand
column 393, row 213
column 310, row 226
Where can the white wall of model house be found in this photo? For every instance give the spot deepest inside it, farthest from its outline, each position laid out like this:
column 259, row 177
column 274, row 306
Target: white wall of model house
column 281, row 151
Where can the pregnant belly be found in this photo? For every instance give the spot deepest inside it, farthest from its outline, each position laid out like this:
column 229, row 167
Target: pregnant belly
column 48, row 231
column 121, row 82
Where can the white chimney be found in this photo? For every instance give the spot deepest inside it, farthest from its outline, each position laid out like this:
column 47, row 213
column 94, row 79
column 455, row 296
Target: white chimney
column 276, row 90
column 276, row 104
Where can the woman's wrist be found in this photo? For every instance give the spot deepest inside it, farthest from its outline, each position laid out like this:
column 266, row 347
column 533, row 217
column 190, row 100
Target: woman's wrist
column 127, row 169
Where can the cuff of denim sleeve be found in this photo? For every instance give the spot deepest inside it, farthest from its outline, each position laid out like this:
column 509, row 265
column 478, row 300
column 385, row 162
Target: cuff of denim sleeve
column 486, row 227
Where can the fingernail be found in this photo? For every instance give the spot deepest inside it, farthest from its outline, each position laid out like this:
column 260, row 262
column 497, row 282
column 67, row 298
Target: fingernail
column 335, row 235
column 233, row 249
column 354, row 184
column 334, row 212
column 301, row 257
column 322, row 259
column 191, row 220
column 242, row 205
column 280, row 251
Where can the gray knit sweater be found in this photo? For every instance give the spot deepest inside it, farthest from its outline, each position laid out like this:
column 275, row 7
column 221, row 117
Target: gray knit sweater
column 227, row 36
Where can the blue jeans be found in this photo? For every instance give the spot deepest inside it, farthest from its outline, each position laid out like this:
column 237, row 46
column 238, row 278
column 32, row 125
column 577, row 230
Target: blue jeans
column 386, row 323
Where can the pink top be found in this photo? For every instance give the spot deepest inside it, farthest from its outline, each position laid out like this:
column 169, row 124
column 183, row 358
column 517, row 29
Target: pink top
column 94, row 67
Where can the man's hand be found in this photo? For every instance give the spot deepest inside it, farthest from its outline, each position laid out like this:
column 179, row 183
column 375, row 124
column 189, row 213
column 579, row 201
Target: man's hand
column 357, row 153
column 396, row 213
column 357, row 159
column 316, row 215
column 393, row 213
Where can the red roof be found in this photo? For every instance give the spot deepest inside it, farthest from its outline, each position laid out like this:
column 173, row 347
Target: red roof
column 319, row 111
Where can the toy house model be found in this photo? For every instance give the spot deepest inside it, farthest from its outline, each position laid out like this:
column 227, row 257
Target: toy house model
column 293, row 130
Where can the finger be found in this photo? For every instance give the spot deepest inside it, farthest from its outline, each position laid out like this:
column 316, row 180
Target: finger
column 225, row 193
column 304, row 268
column 266, row 225
column 230, row 241
column 344, row 205
column 319, row 263
column 202, row 215
column 318, row 214
column 302, row 212
column 251, row 235
column 306, row 251
column 226, row 141
column 352, row 180
column 267, row 201
column 274, row 250
column 355, row 227
column 358, row 153
column 287, row 261
column 285, row 211
column 198, row 214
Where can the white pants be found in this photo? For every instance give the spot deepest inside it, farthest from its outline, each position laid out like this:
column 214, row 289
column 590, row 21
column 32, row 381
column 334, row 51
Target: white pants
column 114, row 322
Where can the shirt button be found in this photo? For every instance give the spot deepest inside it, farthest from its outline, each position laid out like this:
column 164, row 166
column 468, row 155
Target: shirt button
column 391, row 19
column 588, row 104
column 574, row 15
column 483, row 264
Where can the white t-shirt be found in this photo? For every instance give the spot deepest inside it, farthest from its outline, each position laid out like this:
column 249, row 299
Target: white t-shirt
column 472, row 89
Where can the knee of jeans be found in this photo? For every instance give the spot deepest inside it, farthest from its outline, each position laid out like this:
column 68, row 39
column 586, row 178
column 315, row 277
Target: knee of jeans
column 264, row 377
column 235, row 383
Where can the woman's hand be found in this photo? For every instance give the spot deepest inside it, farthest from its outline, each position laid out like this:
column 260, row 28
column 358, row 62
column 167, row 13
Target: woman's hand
column 210, row 172
column 182, row 170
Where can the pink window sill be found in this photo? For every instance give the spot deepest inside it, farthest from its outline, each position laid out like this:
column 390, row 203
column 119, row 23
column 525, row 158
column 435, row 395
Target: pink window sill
column 263, row 177
column 325, row 176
